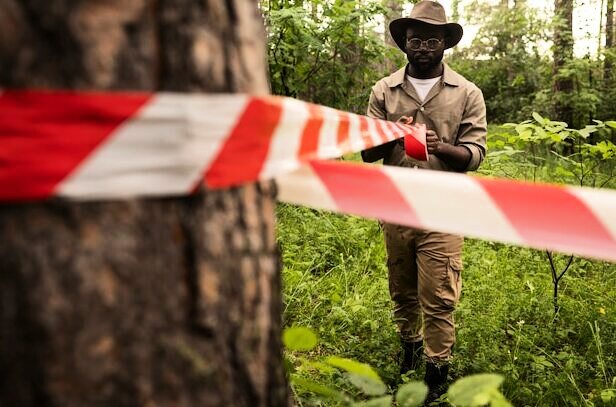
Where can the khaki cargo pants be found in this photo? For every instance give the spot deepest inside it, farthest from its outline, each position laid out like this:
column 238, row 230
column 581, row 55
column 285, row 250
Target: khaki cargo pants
column 424, row 280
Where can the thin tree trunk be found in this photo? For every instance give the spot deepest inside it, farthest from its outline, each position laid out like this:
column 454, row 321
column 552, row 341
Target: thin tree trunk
column 563, row 52
column 143, row 302
column 609, row 40
column 393, row 10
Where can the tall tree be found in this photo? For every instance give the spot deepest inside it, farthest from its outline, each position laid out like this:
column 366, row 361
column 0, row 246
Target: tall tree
column 393, row 10
column 563, row 53
column 170, row 301
column 609, row 39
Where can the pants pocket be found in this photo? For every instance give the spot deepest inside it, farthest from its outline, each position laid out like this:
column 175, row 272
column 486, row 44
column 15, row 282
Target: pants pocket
column 451, row 287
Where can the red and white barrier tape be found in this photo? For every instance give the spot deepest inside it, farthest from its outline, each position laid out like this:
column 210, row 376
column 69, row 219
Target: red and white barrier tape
column 567, row 219
column 115, row 145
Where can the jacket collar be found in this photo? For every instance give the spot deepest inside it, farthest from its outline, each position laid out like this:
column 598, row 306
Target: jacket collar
column 398, row 77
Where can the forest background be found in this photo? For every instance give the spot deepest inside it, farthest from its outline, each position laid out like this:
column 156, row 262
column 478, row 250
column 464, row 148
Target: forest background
column 546, row 322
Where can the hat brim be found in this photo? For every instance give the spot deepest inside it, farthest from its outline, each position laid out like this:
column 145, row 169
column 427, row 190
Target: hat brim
column 397, row 28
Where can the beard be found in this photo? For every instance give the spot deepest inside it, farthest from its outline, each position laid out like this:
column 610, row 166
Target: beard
column 424, row 62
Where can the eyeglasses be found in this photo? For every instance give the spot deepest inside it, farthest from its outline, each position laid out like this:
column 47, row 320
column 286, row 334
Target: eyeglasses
column 415, row 44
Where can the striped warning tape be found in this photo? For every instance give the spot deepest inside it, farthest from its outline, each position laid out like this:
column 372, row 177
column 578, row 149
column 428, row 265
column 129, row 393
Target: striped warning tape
column 114, row 145
column 566, row 219
column 117, row 145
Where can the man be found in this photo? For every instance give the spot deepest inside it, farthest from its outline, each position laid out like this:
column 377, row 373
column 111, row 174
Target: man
column 425, row 266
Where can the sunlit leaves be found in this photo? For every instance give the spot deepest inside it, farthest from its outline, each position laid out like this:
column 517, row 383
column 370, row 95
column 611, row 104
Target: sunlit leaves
column 477, row 390
column 353, row 366
column 411, row 394
column 299, row 339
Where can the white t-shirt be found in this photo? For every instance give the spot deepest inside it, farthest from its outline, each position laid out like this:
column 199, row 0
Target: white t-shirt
column 422, row 86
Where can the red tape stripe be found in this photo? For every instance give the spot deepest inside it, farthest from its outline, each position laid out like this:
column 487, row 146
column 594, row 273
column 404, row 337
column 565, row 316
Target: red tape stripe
column 550, row 216
column 343, row 130
column 310, row 136
column 413, row 147
column 243, row 155
column 45, row 136
column 348, row 184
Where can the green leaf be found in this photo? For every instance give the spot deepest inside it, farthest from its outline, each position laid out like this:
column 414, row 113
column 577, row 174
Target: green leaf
column 352, row 366
column 317, row 388
column 299, row 338
column 320, row 366
column 474, row 390
column 411, row 394
column 526, row 134
column 384, row 401
column 367, row 385
column 608, row 395
column 538, row 118
column 611, row 124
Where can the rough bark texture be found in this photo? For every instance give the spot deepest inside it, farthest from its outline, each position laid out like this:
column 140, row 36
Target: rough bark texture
column 142, row 302
column 563, row 52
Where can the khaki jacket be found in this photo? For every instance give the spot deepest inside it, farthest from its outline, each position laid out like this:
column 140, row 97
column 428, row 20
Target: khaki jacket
column 454, row 108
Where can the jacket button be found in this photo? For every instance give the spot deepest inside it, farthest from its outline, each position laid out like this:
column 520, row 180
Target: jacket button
column 422, row 109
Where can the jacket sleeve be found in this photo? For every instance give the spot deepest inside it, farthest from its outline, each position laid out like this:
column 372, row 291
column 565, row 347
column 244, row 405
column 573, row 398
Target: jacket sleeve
column 473, row 130
column 376, row 109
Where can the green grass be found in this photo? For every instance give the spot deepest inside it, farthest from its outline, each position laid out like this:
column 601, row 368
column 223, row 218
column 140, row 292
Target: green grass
column 335, row 282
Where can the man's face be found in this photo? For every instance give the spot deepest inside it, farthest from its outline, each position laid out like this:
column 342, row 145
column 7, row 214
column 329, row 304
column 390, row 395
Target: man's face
column 430, row 53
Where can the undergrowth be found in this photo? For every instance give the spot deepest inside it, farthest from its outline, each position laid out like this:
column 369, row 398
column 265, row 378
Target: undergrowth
column 335, row 282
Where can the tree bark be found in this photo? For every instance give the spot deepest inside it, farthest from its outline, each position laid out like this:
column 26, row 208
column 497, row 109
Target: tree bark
column 609, row 40
column 563, row 52
column 149, row 301
column 393, row 10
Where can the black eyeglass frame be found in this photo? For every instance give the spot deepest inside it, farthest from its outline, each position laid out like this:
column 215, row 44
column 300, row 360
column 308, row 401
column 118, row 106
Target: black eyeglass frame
column 419, row 43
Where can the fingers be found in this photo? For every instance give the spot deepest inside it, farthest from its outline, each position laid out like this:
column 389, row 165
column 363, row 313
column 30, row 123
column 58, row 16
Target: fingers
column 432, row 142
column 431, row 136
column 405, row 120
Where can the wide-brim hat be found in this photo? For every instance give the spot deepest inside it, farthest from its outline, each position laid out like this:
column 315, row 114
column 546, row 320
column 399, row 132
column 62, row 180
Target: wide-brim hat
column 428, row 12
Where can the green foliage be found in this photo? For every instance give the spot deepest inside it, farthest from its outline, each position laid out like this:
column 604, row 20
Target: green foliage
column 411, row 394
column 325, row 51
column 477, row 390
column 583, row 99
column 547, row 150
column 505, row 60
column 299, row 339
column 335, row 278
column 336, row 281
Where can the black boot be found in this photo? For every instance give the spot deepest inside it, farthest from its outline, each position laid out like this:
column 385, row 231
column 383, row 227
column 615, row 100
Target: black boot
column 412, row 353
column 436, row 380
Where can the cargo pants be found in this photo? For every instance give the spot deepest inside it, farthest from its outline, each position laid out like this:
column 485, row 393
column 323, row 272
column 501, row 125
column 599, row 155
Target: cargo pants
column 425, row 280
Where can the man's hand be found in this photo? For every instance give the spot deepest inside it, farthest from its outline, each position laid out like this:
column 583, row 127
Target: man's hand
column 456, row 157
column 376, row 153
column 433, row 142
column 405, row 120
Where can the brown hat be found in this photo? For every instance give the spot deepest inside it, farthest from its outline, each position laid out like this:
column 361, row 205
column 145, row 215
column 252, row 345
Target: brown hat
column 429, row 12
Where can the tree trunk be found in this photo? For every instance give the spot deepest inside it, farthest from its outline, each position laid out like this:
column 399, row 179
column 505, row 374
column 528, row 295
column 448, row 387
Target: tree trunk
column 151, row 301
column 393, row 10
column 563, row 52
column 609, row 40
